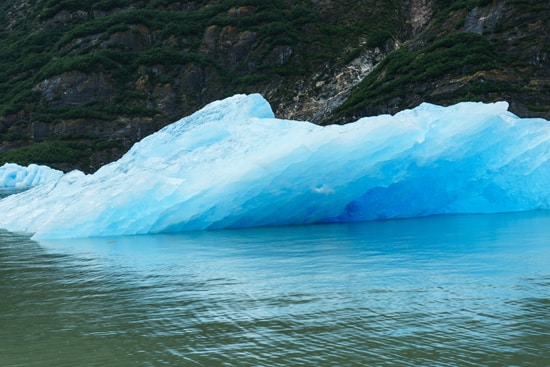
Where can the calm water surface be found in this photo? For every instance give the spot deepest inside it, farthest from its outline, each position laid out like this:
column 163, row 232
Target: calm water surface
column 441, row 291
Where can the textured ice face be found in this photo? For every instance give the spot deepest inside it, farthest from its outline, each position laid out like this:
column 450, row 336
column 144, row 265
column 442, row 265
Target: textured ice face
column 16, row 177
column 232, row 164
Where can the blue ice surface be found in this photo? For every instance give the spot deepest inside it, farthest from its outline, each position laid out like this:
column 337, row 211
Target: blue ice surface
column 18, row 178
column 233, row 164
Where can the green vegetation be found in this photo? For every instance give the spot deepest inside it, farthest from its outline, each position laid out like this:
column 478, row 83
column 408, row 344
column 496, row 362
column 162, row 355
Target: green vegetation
column 63, row 153
column 83, row 42
column 48, row 153
column 455, row 55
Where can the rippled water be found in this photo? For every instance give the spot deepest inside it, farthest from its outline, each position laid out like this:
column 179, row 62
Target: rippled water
column 442, row 291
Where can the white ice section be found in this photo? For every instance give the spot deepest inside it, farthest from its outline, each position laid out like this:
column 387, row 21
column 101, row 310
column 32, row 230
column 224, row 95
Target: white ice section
column 16, row 177
column 232, row 164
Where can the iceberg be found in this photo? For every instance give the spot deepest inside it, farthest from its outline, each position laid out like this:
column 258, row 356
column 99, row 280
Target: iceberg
column 14, row 178
column 233, row 164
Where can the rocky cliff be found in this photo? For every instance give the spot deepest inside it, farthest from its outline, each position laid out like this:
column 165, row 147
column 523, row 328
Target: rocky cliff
column 81, row 82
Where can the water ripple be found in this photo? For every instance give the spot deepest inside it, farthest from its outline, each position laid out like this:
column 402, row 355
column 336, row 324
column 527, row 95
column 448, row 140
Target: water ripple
column 357, row 295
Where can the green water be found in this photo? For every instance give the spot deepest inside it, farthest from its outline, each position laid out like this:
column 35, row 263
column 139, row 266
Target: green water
column 442, row 291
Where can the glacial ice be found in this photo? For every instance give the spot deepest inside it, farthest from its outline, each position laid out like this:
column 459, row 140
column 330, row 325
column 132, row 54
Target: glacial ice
column 14, row 177
column 233, row 164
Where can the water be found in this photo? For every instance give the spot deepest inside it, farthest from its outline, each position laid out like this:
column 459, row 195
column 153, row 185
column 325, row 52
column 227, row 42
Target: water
column 442, row 291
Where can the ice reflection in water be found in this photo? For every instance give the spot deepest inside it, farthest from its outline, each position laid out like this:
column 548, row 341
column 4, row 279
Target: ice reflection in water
column 445, row 291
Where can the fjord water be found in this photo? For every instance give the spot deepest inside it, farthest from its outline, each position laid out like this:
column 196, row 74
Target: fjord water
column 470, row 290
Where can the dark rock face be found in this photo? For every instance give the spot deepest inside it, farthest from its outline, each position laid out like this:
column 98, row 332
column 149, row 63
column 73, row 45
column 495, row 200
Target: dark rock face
column 99, row 77
column 76, row 88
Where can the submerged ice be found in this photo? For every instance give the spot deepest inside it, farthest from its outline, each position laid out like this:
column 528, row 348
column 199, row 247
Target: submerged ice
column 233, row 164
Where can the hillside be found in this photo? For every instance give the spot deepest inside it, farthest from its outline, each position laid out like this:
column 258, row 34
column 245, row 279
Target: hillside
column 80, row 82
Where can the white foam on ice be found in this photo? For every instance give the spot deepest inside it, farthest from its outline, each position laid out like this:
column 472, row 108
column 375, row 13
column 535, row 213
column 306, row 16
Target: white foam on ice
column 233, row 164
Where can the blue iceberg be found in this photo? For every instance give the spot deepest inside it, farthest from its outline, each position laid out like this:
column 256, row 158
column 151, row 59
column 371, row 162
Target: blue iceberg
column 233, row 164
column 15, row 178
